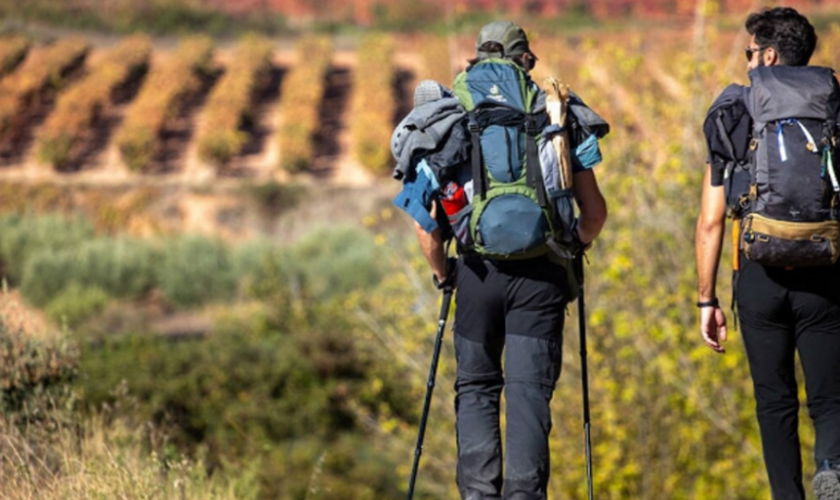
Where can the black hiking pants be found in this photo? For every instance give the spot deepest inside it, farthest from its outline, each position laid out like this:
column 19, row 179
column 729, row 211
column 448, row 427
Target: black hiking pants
column 515, row 309
column 783, row 311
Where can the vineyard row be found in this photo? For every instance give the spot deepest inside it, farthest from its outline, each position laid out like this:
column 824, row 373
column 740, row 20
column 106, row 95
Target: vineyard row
column 64, row 94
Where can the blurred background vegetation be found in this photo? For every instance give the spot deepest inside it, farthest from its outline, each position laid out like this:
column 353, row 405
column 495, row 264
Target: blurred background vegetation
column 243, row 315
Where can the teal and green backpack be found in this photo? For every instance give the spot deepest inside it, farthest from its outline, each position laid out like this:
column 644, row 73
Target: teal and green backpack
column 513, row 214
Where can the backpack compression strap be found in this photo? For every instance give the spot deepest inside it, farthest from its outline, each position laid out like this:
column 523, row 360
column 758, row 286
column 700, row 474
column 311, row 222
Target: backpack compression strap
column 479, row 173
column 533, row 171
column 532, row 161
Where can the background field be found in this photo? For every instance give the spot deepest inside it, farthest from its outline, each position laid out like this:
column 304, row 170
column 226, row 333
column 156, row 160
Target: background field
column 209, row 295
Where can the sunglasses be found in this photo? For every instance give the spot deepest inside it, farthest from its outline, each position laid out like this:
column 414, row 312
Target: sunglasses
column 749, row 51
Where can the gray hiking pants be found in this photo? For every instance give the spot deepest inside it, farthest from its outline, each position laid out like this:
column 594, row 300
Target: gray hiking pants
column 515, row 310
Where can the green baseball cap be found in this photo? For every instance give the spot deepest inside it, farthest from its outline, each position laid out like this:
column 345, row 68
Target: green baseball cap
column 509, row 35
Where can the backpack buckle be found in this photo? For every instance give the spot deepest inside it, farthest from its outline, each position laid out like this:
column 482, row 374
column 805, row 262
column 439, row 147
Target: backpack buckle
column 530, row 126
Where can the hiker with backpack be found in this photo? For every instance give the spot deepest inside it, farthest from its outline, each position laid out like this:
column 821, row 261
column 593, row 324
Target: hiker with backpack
column 501, row 194
column 772, row 153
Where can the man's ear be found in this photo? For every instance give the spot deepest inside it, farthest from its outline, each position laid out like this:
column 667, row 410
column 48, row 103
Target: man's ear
column 528, row 61
column 771, row 57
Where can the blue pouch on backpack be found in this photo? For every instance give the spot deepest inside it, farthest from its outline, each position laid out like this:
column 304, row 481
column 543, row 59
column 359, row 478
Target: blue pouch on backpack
column 587, row 155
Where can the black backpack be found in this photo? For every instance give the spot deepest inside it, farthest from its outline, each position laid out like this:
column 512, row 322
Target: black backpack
column 727, row 129
column 792, row 208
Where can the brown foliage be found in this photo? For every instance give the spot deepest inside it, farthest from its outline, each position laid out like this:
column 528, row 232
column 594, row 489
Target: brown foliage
column 231, row 103
column 162, row 97
column 374, row 103
column 302, row 93
column 44, row 70
column 82, row 105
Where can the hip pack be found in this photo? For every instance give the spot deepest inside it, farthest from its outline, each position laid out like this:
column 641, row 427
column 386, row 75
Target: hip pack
column 792, row 219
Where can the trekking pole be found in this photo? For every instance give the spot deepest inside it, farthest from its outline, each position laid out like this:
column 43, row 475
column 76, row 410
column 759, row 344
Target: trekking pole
column 584, row 376
column 430, row 386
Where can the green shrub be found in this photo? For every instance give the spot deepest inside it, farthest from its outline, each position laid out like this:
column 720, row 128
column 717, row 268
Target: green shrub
column 121, row 267
column 76, row 304
column 327, row 263
column 290, row 399
column 194, row 270
column 34, row 374
column 22, row 236
column 337, row 260
column 273, row 197
column 351, row 467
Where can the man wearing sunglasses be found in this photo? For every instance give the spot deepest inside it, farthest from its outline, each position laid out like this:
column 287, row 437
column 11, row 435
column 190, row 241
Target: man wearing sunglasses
column 782, row 310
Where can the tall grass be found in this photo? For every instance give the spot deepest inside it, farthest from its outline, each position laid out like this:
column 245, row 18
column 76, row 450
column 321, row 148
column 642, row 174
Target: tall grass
column 97, row 458
column 302, row 93
column 50, row 450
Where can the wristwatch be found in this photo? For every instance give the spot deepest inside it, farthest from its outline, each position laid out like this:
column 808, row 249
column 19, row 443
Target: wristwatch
column 708, row 303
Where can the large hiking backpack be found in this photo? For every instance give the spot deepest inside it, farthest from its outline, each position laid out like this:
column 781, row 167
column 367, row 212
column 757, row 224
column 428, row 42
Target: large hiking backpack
column 792, row 219
column 513, row 214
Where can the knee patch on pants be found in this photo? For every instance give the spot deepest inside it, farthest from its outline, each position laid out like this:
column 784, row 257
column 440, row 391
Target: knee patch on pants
column 533, row 360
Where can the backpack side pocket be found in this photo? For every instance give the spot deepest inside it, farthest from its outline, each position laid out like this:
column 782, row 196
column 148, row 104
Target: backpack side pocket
column 460, row 224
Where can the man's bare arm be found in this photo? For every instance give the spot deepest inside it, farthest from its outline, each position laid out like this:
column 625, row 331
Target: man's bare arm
column 709, row 237
column 433, row 248
column 593, row 207
column 708, row 243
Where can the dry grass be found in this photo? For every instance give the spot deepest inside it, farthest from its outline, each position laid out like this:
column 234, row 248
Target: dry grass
column 49, row 450
column 107, row 460
column 15, row 315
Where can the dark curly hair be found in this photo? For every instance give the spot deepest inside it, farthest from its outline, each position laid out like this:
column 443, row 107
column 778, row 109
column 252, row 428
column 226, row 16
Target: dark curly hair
column 787, row 31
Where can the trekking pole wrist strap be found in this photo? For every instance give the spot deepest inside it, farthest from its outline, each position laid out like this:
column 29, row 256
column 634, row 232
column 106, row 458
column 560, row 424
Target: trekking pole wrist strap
column 708, row 303
column 448, row 279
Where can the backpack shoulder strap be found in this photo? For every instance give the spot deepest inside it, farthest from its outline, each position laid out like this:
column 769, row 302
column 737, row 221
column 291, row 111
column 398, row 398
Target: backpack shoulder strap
column 479, row 173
